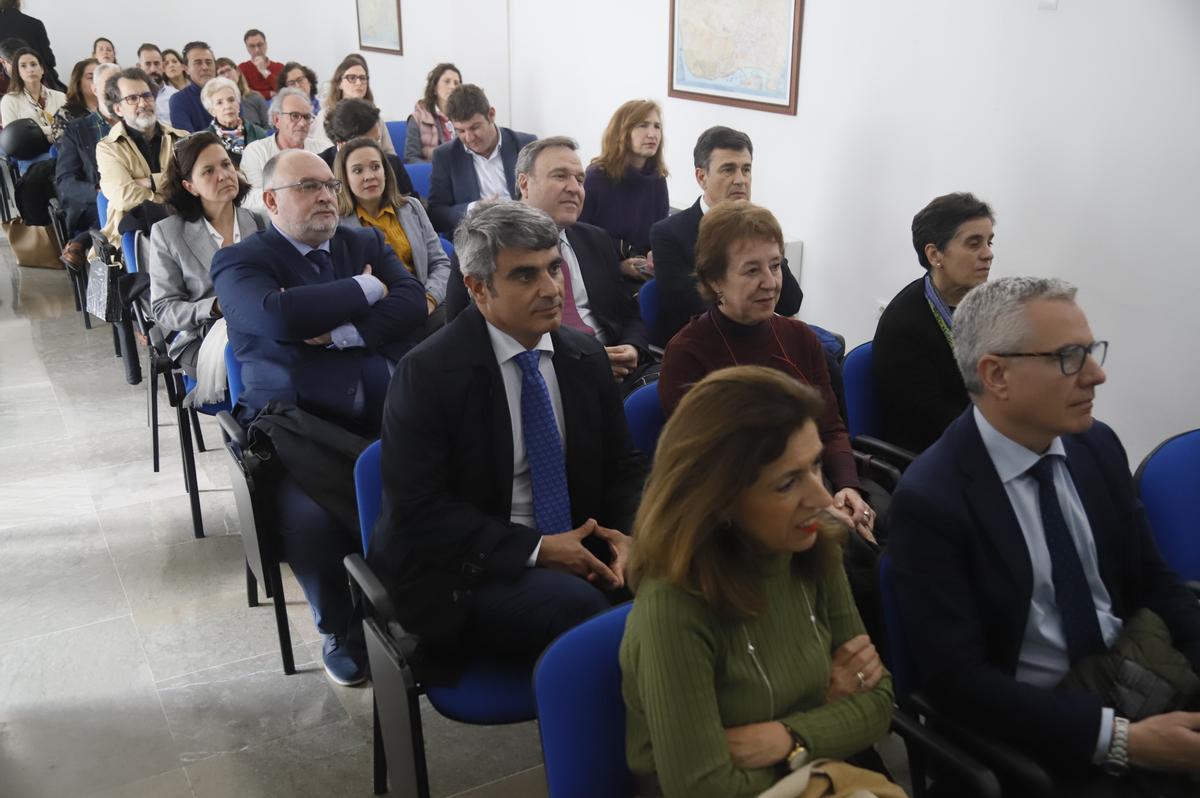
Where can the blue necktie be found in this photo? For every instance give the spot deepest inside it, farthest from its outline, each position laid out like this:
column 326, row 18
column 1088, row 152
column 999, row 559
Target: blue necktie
column 324, row 263
column 1071, row 590
column 543, row 449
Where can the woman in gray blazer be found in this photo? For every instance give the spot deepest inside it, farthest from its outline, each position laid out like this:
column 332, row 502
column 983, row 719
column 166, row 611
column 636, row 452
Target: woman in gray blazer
column 370, row 199
column 204, row 190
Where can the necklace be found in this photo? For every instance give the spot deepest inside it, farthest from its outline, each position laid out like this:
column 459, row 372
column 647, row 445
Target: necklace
column 783, row 355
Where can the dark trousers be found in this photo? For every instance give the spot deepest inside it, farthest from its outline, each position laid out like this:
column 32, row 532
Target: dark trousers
column 314, row 547
column 1135, row 784
column 522, row 616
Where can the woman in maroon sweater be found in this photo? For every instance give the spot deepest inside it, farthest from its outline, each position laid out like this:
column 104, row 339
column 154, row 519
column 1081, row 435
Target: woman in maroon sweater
column 739, row 259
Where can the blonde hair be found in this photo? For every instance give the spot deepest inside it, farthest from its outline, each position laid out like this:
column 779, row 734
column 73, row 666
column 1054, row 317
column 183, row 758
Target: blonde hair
column 614, row 147
column 732, row 424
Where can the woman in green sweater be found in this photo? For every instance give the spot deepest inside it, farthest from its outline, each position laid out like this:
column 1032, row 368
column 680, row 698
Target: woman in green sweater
column 744, row 656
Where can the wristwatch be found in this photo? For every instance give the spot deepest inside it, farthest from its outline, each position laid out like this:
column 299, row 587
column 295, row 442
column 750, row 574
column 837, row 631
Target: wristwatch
column 1117, row 760
column 798, row 756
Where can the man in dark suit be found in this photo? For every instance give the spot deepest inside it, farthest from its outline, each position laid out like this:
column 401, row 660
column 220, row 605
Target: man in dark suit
column 509, row 474
column 550, row 178
column 316, row 315
column 187, row 112
column 723, row 162
column 1022, row 555
column 478, row 165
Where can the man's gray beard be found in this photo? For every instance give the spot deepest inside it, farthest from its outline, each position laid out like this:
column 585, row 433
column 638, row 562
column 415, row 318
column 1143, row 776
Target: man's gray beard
column 143, row 125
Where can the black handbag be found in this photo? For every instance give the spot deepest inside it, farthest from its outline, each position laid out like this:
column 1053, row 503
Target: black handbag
column 103, row 272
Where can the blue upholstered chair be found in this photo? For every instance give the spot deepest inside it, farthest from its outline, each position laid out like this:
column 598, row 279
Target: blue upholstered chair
column 447, row 247
column 649, row 303
column 1167, row 481
column 487, row 693
column 398, row 131
column 862, row 407
column 421, row 174
column 581, row 714
column 644, row 416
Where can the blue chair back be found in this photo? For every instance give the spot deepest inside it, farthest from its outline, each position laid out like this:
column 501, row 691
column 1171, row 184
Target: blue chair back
column 899, row 661
column 420, row 174
column 861, row 402
column 233, row 374
column 648, row 303
column 398, row 131
column 447, row 246
column 102, row 207
column 368, row 489
column 1168, row 480
column 645, row 419
column 129, row 249
column 581, row 714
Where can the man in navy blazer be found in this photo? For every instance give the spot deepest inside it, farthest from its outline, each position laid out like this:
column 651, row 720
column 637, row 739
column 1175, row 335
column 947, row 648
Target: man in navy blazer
column 317, row 315
column 479, row 164
column 723, row 160
column 187, row 111
column 1020, row 548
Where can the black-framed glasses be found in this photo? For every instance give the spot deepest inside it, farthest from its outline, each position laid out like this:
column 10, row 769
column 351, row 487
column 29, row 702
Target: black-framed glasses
column 132, row 99
column 310, row 187
column 357, row 78
column 297, row 82
column 297, row 116
column 1070, row 358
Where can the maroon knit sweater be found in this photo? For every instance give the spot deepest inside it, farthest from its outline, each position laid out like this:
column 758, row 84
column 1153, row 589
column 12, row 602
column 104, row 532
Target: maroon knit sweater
column 706, row 344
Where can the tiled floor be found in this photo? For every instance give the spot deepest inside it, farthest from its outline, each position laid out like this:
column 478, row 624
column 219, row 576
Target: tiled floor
column 130, row 665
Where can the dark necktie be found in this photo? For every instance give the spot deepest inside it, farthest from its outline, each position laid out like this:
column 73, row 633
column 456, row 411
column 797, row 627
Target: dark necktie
column 324, row 263
column 570, row 313
column 1071, row 590
column 543, row 449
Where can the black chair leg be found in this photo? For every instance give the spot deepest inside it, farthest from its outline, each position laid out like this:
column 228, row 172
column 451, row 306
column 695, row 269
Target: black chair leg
column 189, row 471
column 116, row 338
column 152, row 410
column 273, row 577
column 378, row 756
column 196, row 428
column 251, row 587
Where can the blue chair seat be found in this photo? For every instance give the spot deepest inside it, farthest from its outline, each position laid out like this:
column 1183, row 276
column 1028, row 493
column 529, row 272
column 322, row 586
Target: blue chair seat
column 1167, row 480
column 209, row 409
column 644, row 415
column 487, row 694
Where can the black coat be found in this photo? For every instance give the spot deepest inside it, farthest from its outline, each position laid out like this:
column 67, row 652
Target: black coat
column 919, row 386
column 673, row 241
column 448, row 470
column 16, row 25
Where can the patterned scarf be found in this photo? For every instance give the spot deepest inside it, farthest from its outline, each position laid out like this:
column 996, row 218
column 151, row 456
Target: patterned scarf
column 942, row 313
column 234, row 139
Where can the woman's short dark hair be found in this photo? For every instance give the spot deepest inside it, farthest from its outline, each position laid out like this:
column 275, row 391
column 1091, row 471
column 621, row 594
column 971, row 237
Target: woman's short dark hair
column 350, row 119
column 431, row 82
column 186, row 205
column 281, row 81
column 726, row 224
column 75, row 94
column 16, row 85
column 466, row 101
column 938, row 222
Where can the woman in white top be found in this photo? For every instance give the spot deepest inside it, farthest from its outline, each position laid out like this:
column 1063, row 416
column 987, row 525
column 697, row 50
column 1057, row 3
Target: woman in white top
column 27, row 98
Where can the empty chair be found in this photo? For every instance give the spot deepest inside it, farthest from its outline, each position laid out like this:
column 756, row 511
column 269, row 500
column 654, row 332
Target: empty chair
column 1167, row 481
column 862, row 408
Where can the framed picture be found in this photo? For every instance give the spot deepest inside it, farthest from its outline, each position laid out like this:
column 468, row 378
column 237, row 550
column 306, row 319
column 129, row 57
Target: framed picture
column 379, row 26
column 741, row 54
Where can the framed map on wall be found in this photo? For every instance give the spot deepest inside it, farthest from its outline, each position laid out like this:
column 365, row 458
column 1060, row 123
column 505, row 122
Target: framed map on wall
column 379, row 26
column 745, row 54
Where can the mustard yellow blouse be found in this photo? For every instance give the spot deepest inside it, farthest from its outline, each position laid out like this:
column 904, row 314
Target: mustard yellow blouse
column 388, row 223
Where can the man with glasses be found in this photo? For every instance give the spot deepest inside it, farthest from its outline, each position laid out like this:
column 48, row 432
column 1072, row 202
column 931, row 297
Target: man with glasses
column 317, row 315
column 292, row 117
column 1036, row 605
column 187, row 111
column 133, row 156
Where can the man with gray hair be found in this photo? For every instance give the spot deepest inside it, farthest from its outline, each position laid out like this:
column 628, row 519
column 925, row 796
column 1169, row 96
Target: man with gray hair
column 1036, row 604
column 510, row 477
column 292, row 117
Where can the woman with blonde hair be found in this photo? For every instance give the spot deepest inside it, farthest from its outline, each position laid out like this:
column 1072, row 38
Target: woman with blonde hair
column 744, row 656
column 626, row 184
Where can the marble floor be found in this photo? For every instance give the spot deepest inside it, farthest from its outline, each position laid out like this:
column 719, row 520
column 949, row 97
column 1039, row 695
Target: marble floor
column 130, row 665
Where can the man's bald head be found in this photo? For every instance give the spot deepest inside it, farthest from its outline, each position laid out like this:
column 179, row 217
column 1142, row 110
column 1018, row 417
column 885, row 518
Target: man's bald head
column 300, row 195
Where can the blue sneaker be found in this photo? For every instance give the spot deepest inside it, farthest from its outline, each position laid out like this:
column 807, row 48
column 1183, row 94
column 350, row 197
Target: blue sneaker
column 345, row 664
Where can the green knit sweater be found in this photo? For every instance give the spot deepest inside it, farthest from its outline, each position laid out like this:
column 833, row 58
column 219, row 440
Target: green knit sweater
column 689, row 674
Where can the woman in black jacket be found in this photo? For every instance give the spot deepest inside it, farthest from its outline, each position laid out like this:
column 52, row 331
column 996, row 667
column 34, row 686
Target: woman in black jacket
column 917, row 382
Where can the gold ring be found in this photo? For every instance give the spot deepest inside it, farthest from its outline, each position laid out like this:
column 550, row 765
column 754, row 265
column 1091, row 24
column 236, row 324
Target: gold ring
column 862, row 680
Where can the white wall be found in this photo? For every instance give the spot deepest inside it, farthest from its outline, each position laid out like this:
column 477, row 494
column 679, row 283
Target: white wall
column 1078, row 125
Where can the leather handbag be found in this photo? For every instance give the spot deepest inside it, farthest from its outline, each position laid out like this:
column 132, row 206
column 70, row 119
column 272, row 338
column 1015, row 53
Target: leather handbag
column 34, row 246
column 103, row 296
column 831, row 778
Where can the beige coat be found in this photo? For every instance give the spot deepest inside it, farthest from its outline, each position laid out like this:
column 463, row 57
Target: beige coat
column 18, row 106
column 121, row 166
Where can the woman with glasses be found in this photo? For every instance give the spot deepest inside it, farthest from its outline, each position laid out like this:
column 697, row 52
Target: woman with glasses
column 27, row 98
column 350, row 79
column 222, row 99
column 739, row 259
column 918, row 387
column 295, row 75
column 743, row 657
column 254, row 106
column 204, row 191
column 428, row 126
column 371, row 198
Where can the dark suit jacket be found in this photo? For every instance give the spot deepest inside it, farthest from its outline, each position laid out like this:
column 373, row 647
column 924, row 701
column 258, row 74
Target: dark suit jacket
column 16, row 25
column 403, row 181
column 916, row 378
column 76, row 178
column 453, row 183
column 613, row 308
column 268, row 325
column 673, row 242
column 187, row 112
column 963, row 582
column 447, row 465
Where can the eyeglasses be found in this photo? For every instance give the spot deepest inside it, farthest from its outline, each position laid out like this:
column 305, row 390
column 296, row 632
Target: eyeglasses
column 1070, row 358
column 310, row 187
column 356, row 78
column 297, row 116
column 297, row 83
column 132, row 99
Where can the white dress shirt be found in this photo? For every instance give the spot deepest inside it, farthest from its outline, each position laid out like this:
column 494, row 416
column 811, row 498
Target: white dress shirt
column 506, row 348
column 1043, row 659
column 578, row 289
column 490, row 171
column 217, row 238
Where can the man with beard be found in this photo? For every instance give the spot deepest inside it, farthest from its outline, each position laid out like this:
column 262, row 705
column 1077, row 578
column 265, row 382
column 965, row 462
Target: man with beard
column 134, row 154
